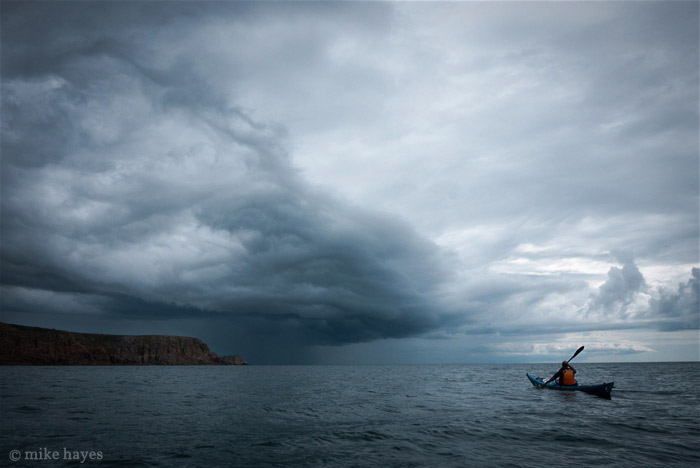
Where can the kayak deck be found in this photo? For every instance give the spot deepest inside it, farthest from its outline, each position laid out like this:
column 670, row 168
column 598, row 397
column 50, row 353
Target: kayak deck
column 602, row 390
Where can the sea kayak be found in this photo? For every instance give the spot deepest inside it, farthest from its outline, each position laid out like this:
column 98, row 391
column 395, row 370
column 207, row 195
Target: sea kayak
column 602, row 390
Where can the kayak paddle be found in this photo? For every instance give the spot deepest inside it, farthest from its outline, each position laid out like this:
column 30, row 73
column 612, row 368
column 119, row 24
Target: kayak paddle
column 578, row 351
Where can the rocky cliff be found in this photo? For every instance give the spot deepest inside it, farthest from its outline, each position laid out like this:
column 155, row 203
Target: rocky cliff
column 20, row 345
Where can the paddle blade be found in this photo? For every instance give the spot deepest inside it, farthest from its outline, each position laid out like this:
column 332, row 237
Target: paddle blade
column 578, row 351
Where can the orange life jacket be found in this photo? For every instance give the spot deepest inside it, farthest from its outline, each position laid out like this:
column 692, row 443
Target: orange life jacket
column 568, row 378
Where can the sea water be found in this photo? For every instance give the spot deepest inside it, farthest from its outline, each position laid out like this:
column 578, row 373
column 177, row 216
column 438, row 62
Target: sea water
column 348, row 416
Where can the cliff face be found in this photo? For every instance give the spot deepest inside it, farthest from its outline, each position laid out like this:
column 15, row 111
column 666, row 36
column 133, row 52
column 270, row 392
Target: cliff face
column 20, row 345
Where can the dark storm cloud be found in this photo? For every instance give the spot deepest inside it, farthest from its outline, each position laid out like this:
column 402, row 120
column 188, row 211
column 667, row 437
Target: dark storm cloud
column 342, row 172
column 131, row 188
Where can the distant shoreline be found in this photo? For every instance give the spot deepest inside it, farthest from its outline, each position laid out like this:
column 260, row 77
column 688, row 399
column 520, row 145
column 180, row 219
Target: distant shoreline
column 23, row 345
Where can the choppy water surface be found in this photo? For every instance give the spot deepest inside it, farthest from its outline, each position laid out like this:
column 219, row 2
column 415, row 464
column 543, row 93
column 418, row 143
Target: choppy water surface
column 364, row 416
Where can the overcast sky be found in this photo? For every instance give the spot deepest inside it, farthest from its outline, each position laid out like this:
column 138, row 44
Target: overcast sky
column 308, row 182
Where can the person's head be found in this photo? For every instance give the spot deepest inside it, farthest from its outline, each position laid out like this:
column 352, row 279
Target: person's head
column 564, row 363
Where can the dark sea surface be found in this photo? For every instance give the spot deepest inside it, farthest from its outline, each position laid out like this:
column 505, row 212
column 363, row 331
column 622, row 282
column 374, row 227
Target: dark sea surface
column 364, row 416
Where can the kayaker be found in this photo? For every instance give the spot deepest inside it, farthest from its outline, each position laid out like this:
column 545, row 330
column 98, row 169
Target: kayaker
column 565, row 375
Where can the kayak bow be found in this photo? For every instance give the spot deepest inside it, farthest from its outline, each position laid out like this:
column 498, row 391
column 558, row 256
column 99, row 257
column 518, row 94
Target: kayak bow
column 602, row 390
